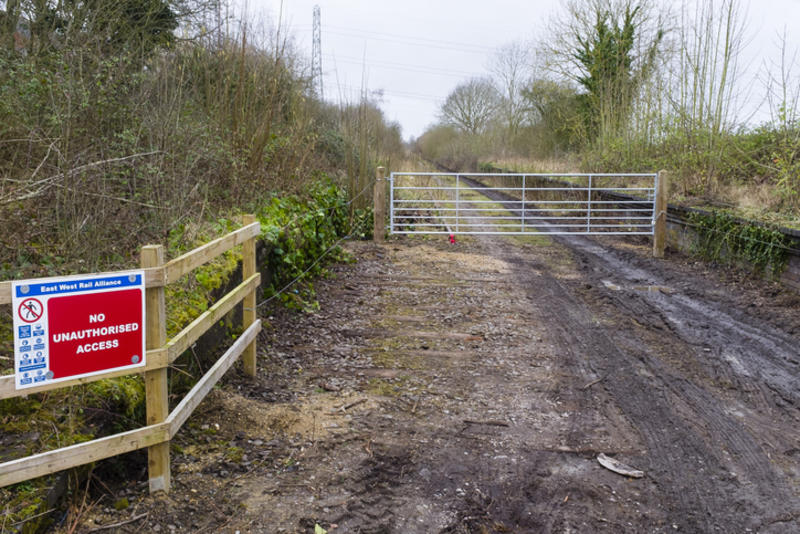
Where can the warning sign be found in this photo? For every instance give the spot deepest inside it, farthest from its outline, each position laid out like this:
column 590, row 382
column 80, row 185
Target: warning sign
column 77, row 326
column 30, row 310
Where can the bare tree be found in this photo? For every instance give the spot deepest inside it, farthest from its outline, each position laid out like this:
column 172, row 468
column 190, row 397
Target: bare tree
column 704, row 103
column 712, row 37
column 783, row 88
column 471, row 106
column 511, row 67
column 783, row 99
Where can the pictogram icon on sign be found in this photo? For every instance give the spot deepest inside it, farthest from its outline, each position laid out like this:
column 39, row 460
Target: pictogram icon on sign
column 30, row 310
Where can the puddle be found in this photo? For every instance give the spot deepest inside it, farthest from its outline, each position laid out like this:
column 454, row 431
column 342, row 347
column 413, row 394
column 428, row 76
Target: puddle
column 646, row 289
column 612, row 286
column 654, row 289
column 736, row 364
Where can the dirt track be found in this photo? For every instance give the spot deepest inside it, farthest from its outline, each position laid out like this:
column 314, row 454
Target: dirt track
column 470, row 387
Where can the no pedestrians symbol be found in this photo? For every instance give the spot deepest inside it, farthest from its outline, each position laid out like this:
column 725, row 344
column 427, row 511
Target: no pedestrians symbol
column 30, row 310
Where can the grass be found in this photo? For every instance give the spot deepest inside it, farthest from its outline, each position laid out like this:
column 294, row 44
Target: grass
column 756, row 198
column 386, row 388
column 397, row 359
column 535, row 240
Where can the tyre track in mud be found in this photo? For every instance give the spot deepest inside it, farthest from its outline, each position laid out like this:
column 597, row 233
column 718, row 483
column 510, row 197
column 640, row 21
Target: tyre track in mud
column 432, row 459
column 708, row 469
column 672, row 413
column 481, row 381
column 712, row 390
column 733, row 449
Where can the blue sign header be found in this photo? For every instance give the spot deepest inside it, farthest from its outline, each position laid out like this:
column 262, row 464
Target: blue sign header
column 67, row 285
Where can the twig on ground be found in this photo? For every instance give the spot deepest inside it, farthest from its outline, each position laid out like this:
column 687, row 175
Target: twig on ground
column 121, row 523
column 178, row 369
column 488, row 423
column 353, row 404
column 593, row 382
column 83, row 508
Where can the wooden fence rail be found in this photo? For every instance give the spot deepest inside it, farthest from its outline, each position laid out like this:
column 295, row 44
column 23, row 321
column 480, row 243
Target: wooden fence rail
column 162, row 425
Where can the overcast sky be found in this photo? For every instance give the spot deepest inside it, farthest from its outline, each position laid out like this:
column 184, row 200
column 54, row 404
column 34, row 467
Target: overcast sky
column 417, row 51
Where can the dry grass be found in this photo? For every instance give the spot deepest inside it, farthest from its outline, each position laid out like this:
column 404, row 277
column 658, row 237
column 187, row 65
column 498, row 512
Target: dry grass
column 544, row 165
column 758, row 202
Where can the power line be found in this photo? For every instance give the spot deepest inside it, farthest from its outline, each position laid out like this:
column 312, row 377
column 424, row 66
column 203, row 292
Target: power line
column 402, row 94
column 399, row 37
column 377, row 65
column 405, row 66
column 415, row 96
column 410, row 43
column 425, row 44
column 423, row 39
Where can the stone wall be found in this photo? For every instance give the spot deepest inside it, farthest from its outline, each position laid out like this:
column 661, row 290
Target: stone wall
column 682, row 236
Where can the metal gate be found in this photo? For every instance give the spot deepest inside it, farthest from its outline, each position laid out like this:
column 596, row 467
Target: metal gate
column 515, row 204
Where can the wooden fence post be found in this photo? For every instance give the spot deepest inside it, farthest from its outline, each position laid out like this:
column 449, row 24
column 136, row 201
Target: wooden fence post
column 249, row 302
column 379, row 209
column 155, row 381
column 660, row 215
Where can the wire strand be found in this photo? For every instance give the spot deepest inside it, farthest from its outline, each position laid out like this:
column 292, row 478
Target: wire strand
column 292, row 221
column 316, row 261
column 748, row 238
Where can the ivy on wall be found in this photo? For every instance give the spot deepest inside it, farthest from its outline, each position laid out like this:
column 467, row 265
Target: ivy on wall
column 726, row 239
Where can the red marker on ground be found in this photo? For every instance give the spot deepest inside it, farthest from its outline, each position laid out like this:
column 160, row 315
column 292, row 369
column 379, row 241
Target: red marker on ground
column 452, row 239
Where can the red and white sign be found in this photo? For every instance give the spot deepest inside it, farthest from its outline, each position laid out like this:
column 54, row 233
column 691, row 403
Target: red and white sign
column 77, row 326
column 30, row 310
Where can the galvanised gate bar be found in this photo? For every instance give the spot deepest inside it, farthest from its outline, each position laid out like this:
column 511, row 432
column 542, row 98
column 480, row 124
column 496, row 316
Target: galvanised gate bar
column 510, row 203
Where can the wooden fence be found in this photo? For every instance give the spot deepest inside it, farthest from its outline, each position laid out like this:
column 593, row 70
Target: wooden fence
column 162, row 425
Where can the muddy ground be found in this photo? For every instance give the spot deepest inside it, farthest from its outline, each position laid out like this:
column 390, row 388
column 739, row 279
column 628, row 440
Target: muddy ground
column 470, row 388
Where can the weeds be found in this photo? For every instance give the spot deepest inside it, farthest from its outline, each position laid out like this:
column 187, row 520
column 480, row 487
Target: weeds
column 726, row 239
